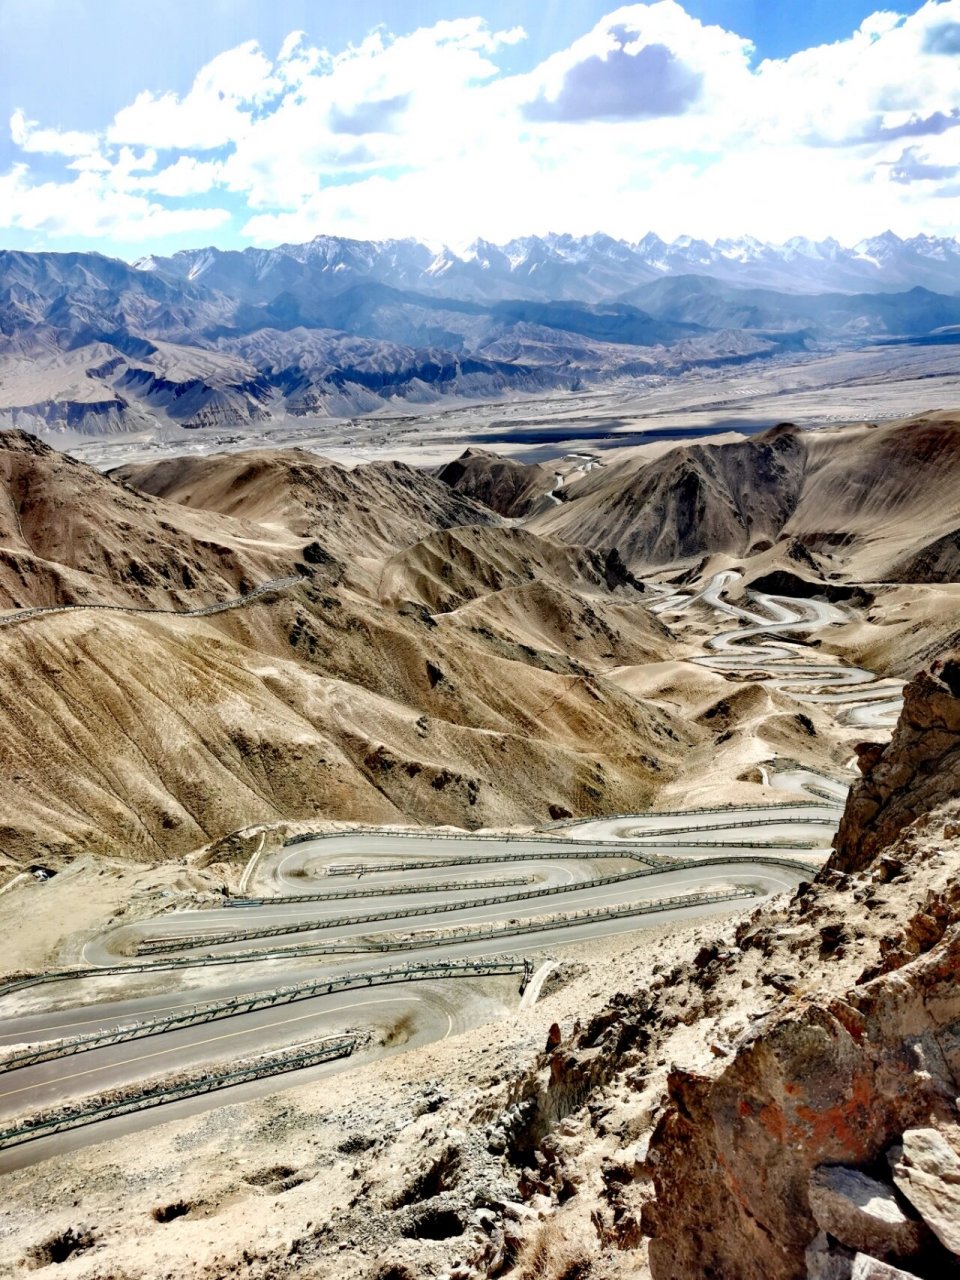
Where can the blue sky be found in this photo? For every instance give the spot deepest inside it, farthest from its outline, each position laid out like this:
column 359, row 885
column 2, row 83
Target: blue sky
column 185, row 122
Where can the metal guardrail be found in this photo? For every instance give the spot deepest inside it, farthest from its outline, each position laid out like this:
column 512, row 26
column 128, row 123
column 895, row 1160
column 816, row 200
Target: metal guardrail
column 649, row 906
column 556, row 826
column 506, row 838
column 383, row 891
column 77, row 1117
column 247, row 957
column 153, row 946
column 733, row 826
column 818, row 791
column 236, row 1005
column 188, row 942
column 685, row 813
column 237, row 602
column 624, row 850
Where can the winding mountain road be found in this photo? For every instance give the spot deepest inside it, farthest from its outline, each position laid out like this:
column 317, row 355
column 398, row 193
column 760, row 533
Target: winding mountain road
column 859, row 696
column 332, row 910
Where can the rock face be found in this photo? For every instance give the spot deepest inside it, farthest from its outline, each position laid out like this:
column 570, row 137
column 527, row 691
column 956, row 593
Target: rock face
column 926, row 1168
column 744, row 1159
column 834, row 1082
column 919, row 769
column 862, row 1213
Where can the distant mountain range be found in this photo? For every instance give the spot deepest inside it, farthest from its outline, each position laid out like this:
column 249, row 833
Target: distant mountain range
column 339, row 327
column 585, row 268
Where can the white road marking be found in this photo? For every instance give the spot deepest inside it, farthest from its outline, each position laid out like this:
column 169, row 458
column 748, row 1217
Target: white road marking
column 195, row 1044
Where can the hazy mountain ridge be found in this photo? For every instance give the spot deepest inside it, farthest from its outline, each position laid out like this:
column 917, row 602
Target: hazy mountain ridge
column 336, row 328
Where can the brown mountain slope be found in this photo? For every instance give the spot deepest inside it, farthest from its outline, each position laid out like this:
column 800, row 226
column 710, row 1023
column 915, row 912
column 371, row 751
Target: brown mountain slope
column 937, row 561
column 341, row 697
column 366, row 512
column 694, row 500
column 508, row 487
column 69, row 535
column 880, row 494
column 550, row 618
column 868, row 502
column 148, row 736
column 450, row 567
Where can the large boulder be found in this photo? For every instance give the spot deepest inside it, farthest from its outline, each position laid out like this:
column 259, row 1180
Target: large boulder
column 862, row 1213
column 926, row 1169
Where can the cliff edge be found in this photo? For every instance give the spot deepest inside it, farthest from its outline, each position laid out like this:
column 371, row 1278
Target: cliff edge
column 917, row 770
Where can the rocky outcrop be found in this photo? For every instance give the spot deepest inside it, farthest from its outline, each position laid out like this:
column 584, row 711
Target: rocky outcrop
column 835, row 1082
column 919, row 769
column 779, row 1165
column 862, row 1213
column 926, row 1169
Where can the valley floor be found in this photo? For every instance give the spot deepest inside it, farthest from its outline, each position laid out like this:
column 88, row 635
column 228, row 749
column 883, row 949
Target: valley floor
column 875, row 384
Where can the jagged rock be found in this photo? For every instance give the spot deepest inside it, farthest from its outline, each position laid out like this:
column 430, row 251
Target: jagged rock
column 827, row 1261
column 861, row 1213
column 926, row 1169
column 916, row 771
column 816, row 1086
column 867, row 1268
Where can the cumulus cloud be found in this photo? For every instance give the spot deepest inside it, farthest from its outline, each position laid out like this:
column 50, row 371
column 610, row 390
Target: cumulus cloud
column 29, row 136
column 92, row 208
column 651, row 118
column 187, row 176
column 378, row 116
column 622, row 86
column 216, row 111
column 943, row 38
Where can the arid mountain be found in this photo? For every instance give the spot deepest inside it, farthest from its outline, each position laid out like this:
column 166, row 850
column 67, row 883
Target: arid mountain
column 68, row 535
column 880, row 492
column 937, row 561
column 694, row 500
column 90, row 345
column 342, row 696
column 503, row 484
column 872, row 497
column 360, row 514
column 448, row 569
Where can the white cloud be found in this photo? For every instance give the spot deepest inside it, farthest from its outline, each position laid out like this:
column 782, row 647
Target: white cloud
column 90, row 207
column 215, row 112
column 187, row 176
column 650, row 119
column 29, row 136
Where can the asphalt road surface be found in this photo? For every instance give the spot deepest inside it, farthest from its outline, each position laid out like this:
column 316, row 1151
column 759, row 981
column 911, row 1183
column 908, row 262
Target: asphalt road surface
column 764, row 849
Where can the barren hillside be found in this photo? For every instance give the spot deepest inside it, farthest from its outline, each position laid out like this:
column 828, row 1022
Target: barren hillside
column 884, row 501
column 69, row 535
column 357, row 515
column 503, row 484
column 342, row 696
